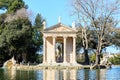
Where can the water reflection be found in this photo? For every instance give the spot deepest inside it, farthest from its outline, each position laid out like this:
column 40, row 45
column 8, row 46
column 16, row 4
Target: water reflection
column 99, row 74
column 59, row 74
column 4, row 74
column 13, row 74
column 9, row 74
column 53, row 74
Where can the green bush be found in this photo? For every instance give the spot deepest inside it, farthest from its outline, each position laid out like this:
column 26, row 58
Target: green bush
column 93, row 57
column 80, row 60
column 115, row 60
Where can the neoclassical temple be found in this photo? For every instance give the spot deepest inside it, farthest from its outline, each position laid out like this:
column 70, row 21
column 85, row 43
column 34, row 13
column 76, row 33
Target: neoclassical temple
column 59, row 44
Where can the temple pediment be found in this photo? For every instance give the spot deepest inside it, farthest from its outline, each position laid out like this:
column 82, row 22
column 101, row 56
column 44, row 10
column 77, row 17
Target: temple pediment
column 60, row 28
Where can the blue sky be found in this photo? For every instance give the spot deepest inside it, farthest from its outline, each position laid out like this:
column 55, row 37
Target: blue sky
column 51, row 10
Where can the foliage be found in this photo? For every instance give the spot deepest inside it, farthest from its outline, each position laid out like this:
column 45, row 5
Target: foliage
column 39, row 58
column 37, row 32
column 81, row 61
column 80, row 58
column 115, row 60
column 93, row 57
column 11, row 6
column 18, row 37
column 78, row 41
column 116, row 38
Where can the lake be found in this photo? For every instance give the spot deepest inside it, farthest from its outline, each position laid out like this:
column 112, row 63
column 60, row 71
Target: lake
column 82, row 74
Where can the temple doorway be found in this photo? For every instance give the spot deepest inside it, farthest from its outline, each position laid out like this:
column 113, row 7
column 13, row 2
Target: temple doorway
column 59, row 52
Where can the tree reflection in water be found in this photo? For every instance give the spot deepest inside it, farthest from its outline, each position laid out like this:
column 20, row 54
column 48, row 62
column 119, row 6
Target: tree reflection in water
column 8, row 74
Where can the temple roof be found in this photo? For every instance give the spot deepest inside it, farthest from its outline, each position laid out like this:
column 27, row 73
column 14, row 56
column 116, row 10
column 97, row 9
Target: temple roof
column 60, row 28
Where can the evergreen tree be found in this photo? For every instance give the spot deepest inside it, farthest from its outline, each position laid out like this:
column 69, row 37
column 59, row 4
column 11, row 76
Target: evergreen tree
column 36, row 42
column 37, row 33
column 12, row 6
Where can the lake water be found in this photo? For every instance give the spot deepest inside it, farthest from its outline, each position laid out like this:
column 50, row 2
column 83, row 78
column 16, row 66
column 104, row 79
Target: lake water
column 82, row 74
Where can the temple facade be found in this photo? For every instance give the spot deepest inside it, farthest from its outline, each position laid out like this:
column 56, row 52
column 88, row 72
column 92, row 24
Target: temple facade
column 59, row 44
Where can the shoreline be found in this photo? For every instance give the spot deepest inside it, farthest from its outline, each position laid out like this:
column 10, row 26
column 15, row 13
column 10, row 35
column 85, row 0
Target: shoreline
column 41, row 67
column 56, row 66
column 115, row 65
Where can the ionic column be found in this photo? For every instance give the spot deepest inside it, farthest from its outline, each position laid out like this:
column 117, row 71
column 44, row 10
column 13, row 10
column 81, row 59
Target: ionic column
column 65, row 50
column 65, row 74
column 54, row 49
column 74, row 50
column 44, row 49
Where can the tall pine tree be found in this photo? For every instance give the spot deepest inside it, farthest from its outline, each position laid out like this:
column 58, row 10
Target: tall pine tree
column 38, row 27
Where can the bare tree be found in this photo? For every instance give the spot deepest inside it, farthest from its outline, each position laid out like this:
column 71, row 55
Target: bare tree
column 21, row 13
column 100, row 16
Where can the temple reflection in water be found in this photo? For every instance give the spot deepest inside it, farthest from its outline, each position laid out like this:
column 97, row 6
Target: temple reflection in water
column 55, row 74
column 59, row 74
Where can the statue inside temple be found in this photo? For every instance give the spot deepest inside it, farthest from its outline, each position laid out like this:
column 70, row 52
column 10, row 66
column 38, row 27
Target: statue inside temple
column 59, row 54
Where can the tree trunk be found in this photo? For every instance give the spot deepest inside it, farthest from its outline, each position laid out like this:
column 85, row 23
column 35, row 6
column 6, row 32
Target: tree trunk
column 98, row 52
column 87, row 61
column 97, row 58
